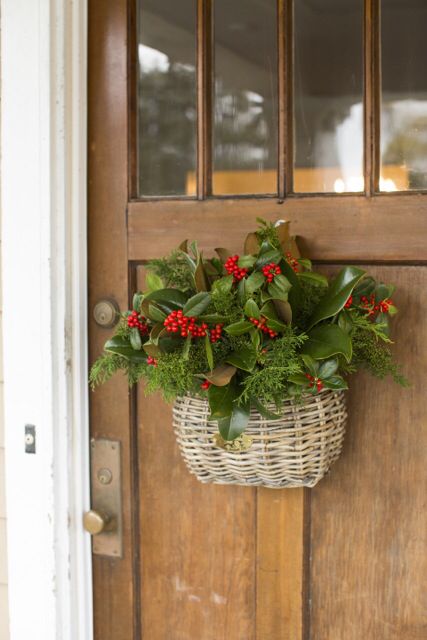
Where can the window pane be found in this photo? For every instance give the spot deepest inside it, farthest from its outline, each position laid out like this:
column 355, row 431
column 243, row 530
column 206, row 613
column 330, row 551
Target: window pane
column 166, row 97
column 328, row 96
column 245, row 122
column 404, row 95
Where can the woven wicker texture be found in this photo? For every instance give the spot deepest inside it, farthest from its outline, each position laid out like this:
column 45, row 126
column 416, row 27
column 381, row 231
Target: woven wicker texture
column 295, row 451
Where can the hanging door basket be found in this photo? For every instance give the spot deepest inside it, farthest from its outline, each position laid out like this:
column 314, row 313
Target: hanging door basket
column 296, row 450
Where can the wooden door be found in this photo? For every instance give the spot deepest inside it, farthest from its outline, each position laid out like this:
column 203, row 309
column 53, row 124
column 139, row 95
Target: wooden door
column 346, row 559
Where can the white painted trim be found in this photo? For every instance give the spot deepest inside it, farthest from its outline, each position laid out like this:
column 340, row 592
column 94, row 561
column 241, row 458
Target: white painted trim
column 43, row 59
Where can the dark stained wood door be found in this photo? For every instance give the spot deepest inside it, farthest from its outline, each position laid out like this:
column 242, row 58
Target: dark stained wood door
column 346, row 560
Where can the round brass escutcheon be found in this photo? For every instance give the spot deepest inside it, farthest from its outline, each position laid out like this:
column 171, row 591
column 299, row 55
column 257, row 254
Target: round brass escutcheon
column 106, row 313
column 104, row 476
column 95, row 522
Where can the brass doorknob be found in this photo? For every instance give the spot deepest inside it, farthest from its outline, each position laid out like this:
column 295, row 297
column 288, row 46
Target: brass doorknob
column 96, row 522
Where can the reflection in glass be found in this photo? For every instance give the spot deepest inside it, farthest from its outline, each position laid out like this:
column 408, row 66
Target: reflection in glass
column 328, row 96
column 404, row 95
column 166, row 97
column 245, row 122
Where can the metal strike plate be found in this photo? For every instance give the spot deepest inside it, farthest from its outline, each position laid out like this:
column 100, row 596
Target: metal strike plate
column 106, row 484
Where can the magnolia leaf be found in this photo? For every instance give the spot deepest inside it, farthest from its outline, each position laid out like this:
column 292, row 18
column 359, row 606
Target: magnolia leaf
column 295, row 248
column 284, row 310
column 239, row 328
column 233, row 426
column 268, row 310
column 189, row 260
column 244, row 358
column 224, row 254
column 153, row 281
column 135, row 339
column 254, row 281
column 137, row 301
column 197, row 304
column 345, row 322
column 282, row 230
column 314, row 278
column 156, row 314
column 328, row 368
column 209, row 354
column 169, row 298
column 252, row 309
column 326, row 341
column 221, row 399
column 221, row 375
column 121, row 346
column 200, row 278
column 184, row 246
column 251, row 243
column 155, row 333
column 337, row 295
column 151, row 349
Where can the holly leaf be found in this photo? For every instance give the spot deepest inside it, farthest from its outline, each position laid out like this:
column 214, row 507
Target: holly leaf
column 327, row 341
column 223, row 285
column 328, row 368
column 335, row 382
column 121, row 346
column 270, row 255
column 254, row 282
column 337, row 295
column 246, row 262
column 279, row 288
column 137, row 301
column 314, row 278
column 266, row 413
column 312, row 365
column 170, row 299
column 153, row 281
column 186, row 349
column 197, row 304
column 239, row 328
column 252, row 309
column 299, row 379
column 244, row 358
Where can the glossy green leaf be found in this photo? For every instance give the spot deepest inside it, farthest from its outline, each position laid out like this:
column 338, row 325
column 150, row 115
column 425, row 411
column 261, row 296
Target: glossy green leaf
column 200, row 278
column 224, row 254
column 268, row 310
column 337, row 295
column 151, row 349
column 254, row 282
column 279, row 288
column 311, row 364
column 328, row 368
column 344, row 321
column 135, row 339
column 153, row 281
column 299, row 379
column 244, row 358
column 223, row 285
column 264, row 411
column 327, row 341
column 246, row 262
column 209, row 354
column 233, row 426
column 221, row 400
column 382, row 292
column 271, row 255
column 169, row 298
column 314, row 278
column 284, row 310
column 197, row 304
column 239, row 328
column 276, row 325
column 305, row 263
column 186, row 348
column 189, row 260
column 252, row 309
column 136, row 301
column 335, row 382
column 241, row 292
column 255, row 338
column 122, row 347
column 156, row 314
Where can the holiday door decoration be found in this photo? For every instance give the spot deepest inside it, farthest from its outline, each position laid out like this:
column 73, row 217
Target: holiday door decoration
column 255, row 350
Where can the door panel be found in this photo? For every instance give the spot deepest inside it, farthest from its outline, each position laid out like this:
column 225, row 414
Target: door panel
column 200, row 562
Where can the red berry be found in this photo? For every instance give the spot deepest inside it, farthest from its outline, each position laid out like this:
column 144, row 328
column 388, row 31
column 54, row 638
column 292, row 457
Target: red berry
column 206, row 384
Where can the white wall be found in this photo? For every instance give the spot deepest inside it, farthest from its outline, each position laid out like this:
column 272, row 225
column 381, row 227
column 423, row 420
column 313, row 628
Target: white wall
column 4, row 613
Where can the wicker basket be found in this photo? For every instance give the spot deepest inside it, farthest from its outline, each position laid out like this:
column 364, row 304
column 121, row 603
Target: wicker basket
column 295, row 451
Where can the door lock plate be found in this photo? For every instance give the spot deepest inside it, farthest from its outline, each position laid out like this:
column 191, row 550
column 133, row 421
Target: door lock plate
column 106, row 484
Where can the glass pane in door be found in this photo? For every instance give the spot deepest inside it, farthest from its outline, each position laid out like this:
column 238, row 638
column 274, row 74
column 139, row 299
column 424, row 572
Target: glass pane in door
column 245, row 118
column 328, row 102
column 404, row 95
column 166, row 95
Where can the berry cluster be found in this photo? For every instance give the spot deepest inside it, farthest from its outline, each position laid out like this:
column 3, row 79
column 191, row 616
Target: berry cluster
column 372, row 307
column 205, row 385
column 233, row 268
column 314, row 382
column 152, row 361
column 177, row 322
column 292, row 262
column 262, row 324
column 270, row 271
column 348, row 303
column 137, row 320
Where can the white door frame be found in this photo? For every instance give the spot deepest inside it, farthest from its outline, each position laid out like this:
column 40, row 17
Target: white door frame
column 43, row 147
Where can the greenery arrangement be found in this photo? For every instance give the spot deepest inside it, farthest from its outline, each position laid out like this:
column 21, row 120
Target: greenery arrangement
column 250, row 330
